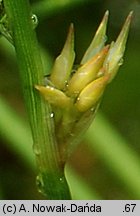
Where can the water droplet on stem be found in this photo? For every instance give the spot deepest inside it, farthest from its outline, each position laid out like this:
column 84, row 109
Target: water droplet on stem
column 39, row 183
column 52, row 115
column 34, row 20
column 36, row 150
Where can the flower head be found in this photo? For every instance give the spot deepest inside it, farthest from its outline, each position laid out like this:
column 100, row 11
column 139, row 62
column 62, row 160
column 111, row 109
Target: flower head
column 76, row 96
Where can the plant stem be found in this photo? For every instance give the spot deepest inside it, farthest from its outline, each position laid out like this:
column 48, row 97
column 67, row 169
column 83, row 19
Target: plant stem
column 51, row 180
column 18, row 137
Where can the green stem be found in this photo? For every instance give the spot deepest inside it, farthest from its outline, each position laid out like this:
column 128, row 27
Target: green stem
column 18, row 138
column 51, row 180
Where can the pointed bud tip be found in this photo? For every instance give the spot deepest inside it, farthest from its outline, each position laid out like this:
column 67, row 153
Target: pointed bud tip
column 105, row 17
column 71, row 27
column 70, row 38
column 40, row 88
column 106, row 48
column 129, row 18
column 71, row 30
column 106, row 14
column 126, row 24
column 130, row 15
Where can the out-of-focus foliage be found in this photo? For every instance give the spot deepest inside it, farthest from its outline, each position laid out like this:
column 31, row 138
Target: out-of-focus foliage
column 93, row 159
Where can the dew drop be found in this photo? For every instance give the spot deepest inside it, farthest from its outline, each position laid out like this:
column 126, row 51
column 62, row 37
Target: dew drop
column 34, row 20
column 39, row 183
column 52, row 115
column 36, row 150
column 92, row 109
column 61, row 179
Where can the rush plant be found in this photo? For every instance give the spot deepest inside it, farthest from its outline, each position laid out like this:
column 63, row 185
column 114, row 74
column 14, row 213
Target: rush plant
column 61, row 106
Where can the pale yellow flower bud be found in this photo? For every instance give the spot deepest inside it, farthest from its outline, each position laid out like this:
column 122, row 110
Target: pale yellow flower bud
column 54, row 96
column 114, row 58
column 86, row 73
column 98, row 41
column 75, row 97
column 91, row 94
column 64, row 62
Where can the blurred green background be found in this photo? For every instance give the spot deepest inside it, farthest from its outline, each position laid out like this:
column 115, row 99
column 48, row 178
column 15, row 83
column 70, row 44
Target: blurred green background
column 106, row 164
